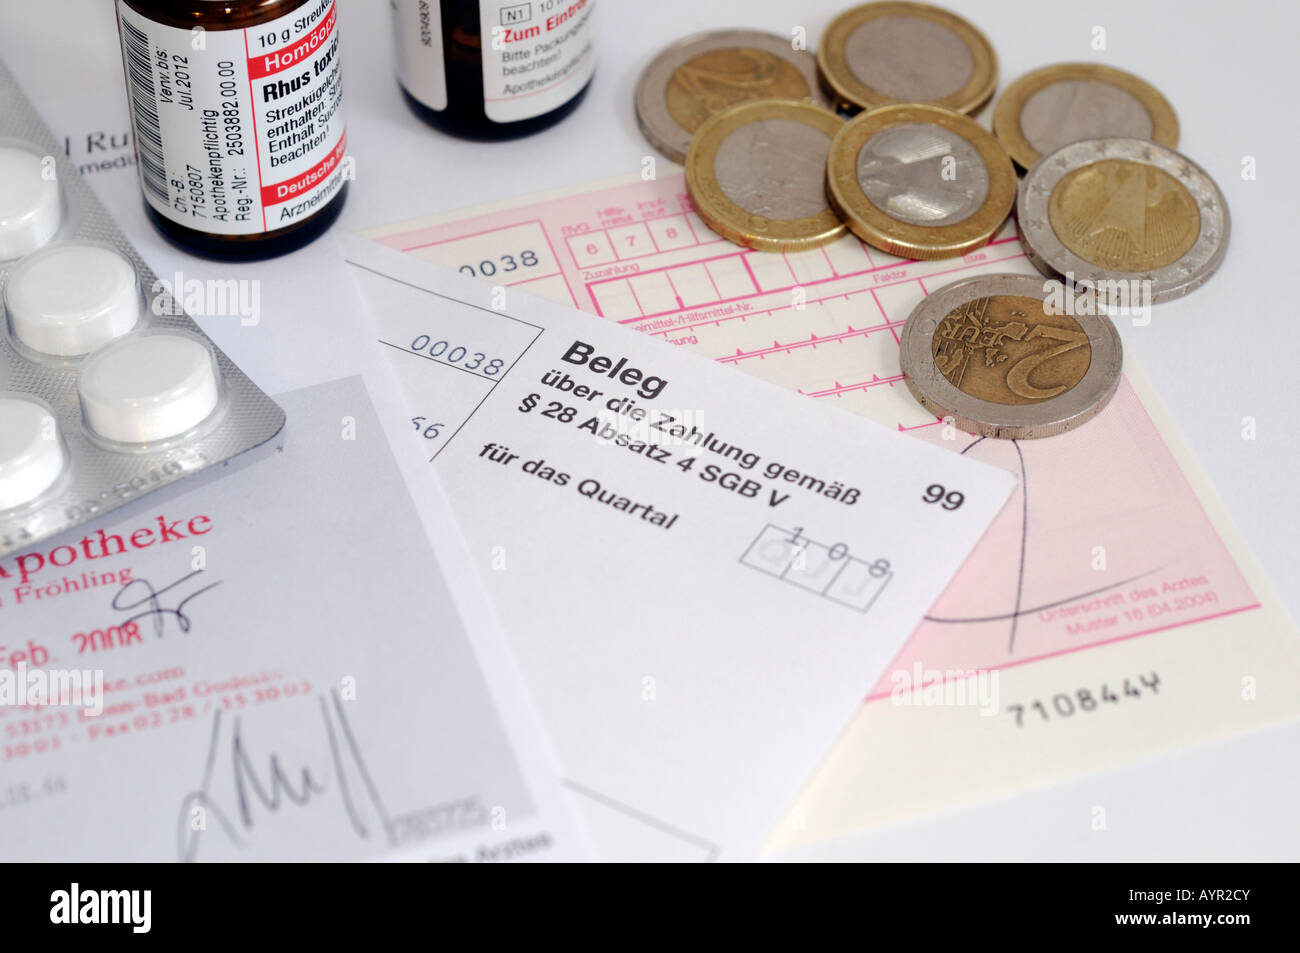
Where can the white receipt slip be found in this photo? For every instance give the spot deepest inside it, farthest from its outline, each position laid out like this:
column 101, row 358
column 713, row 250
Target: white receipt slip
column 698, row 570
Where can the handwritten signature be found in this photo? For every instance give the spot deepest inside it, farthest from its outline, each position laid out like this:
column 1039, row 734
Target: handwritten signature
column 277, row 788
column 144, row 594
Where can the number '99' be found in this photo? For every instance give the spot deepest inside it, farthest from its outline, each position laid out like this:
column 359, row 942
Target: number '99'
column 948, row 499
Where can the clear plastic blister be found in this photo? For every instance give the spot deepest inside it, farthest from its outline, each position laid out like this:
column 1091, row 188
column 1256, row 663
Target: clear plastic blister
column 103, row 397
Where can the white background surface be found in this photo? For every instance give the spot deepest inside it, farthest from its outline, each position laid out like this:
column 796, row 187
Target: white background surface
column 1226, row 352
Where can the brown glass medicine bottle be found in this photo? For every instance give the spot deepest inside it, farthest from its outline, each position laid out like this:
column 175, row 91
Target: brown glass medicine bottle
column 494, row 69
column 236, row 113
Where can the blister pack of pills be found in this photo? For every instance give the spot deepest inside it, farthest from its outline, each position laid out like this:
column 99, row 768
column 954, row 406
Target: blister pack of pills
column 108, row 391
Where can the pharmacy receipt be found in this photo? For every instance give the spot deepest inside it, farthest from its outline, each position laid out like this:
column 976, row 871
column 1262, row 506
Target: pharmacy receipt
column 280, row 660
column 698, row 570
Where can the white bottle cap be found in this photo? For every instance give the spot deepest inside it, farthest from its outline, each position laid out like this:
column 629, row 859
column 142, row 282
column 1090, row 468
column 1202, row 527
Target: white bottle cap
column 72, row 298
column 31, row 453
column 30, row 209
column 148, row 388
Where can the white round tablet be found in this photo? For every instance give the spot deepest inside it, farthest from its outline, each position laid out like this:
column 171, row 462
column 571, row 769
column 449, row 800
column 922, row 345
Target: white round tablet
column 31, row 451
column 148, row 388
column 30, row 208
column 71, row 298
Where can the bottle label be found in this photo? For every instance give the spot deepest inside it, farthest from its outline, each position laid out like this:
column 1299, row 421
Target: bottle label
column 417, row 26
column 537, row 55
column 237, row 132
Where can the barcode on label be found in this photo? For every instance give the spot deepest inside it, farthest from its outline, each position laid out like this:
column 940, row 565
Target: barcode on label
column 144, row 109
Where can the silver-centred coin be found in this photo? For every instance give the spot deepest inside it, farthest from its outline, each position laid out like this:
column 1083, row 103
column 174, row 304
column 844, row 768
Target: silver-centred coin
column 892, row 52
column 923, row 174
column 1133, row 221
column 757, row 174
column 702, row 75
column 1075, row 109
column 920, row 181
column 775, row 168
column 1002, row 357
column 1053, row 106
column 908, row 58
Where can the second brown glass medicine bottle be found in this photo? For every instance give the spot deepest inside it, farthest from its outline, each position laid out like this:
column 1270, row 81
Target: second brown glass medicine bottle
column 486, row 69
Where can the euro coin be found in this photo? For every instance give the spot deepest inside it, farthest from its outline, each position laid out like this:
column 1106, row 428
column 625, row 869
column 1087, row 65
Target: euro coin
column 1132, row 221
column 882, row 53
column 702, row 75
column 757, row 174
column 920, row 181
column 1002, row 357
column 1057, row 105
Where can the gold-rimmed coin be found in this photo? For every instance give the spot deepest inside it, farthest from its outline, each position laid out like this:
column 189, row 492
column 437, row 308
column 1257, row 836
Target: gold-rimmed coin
column 882, row 53
column 757, row 174
column 703, row 74
column 1056, row 105
column 919, row 181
